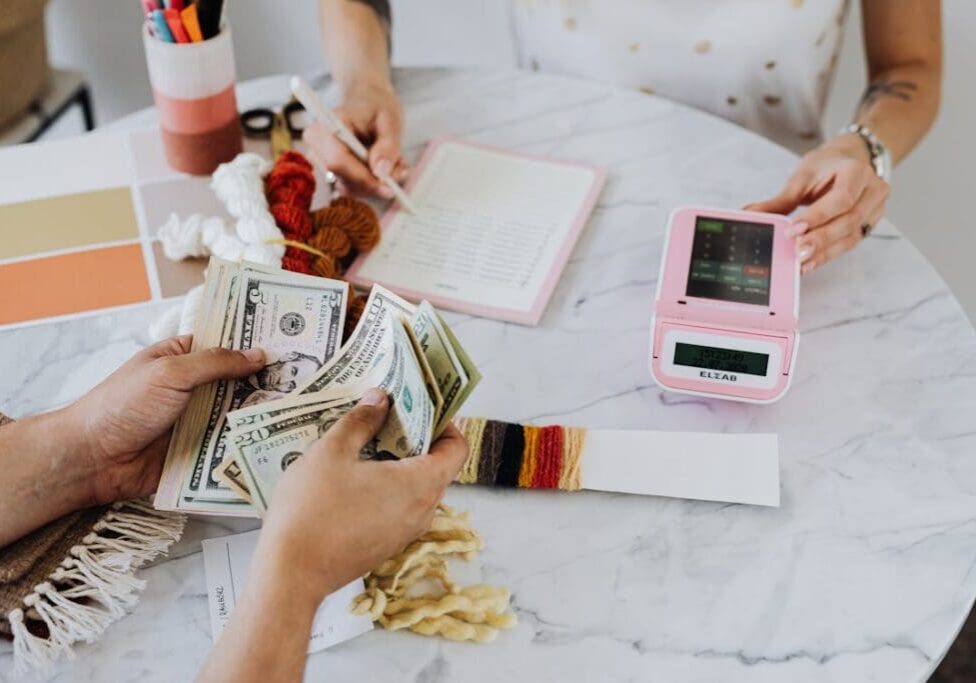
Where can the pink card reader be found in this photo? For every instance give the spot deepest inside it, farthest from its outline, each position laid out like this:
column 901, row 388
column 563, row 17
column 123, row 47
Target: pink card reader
column 725, row 315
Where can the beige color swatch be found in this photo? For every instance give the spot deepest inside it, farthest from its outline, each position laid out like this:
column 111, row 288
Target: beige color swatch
column 67, row 221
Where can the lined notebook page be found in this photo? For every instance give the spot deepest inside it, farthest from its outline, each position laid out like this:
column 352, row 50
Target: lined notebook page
column 492, row 233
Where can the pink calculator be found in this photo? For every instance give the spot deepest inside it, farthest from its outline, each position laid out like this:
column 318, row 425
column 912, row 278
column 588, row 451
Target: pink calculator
column 725, row 315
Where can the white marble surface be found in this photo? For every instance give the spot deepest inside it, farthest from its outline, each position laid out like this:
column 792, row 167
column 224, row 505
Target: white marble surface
column 864, row 574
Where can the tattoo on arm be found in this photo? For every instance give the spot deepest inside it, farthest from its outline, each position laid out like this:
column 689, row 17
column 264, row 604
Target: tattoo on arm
column 903, row 90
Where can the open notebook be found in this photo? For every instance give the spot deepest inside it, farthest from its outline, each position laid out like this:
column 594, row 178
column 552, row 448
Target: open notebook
column 492, row 233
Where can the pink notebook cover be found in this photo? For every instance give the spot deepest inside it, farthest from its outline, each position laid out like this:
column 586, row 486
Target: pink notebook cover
column 534, row 314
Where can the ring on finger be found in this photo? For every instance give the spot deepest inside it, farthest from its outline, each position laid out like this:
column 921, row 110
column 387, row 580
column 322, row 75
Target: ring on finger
column 331, row 179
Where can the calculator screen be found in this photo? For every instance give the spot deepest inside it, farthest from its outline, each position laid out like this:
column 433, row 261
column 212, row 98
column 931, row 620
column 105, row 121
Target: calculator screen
column 731, row 261
column 726, row 360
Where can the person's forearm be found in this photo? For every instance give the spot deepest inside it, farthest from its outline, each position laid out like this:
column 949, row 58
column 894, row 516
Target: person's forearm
column 268, row 633
column 900, row 105
column 903, row 46
column 46, row 473
column 356, row 37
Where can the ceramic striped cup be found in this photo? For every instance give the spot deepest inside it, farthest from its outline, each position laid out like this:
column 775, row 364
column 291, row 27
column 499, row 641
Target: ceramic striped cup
column 193, row 87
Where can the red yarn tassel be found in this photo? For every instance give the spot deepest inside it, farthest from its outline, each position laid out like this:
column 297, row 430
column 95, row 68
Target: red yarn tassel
column 550, row 459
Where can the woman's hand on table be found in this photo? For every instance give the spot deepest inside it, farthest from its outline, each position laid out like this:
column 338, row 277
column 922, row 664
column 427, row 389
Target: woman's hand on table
column 841, row 196
column 333, row 517
column 125, row 421
column 371, row 110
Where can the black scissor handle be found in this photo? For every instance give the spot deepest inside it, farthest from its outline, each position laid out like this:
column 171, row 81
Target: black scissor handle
column 257, row 122
column 293, row 113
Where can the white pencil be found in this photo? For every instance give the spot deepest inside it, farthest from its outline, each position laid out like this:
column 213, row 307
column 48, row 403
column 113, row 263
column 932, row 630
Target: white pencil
column 304, row 93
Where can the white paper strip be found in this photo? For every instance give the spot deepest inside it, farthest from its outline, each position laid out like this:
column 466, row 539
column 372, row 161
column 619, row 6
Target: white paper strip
column 734, row 468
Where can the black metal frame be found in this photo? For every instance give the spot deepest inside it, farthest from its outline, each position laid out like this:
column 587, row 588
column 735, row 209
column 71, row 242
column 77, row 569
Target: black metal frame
column 81, row 96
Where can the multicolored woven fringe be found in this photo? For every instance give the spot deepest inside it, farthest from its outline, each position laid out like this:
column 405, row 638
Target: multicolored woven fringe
column 524, row 456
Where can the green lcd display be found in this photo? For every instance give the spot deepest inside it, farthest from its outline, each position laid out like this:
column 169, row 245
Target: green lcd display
column 731, row 261
column 726, row 360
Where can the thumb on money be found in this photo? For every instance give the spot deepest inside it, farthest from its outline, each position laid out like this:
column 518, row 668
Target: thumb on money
column 358, row 427
column 188, row 370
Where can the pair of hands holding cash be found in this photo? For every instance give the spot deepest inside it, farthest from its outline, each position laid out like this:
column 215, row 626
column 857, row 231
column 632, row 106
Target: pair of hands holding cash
column 362, row 512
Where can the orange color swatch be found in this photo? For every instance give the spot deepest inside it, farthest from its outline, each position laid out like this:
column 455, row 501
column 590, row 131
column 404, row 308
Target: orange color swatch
column 72, row 283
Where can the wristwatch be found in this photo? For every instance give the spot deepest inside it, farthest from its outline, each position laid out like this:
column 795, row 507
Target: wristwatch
column 880, row 156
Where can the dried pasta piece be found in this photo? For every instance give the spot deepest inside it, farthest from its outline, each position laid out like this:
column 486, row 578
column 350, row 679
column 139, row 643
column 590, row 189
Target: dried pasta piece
column 473, row 613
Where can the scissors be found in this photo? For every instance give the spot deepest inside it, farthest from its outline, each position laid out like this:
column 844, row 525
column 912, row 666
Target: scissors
column 281, row 126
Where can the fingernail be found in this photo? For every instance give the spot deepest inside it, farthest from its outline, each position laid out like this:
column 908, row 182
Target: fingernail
column 373, row 397
column 254, row 355
column 805, row 251
column 383, row 167
column 404, row 175
column 798, row 228
column 807, row 267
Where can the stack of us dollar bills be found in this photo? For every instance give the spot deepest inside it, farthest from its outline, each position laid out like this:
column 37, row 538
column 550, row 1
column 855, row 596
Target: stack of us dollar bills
column 237, row 437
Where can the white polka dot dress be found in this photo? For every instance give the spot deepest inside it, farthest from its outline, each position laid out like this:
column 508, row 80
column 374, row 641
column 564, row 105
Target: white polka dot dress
column 764, row 64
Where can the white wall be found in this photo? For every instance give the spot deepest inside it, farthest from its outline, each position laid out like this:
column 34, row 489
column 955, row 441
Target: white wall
column 930, row 202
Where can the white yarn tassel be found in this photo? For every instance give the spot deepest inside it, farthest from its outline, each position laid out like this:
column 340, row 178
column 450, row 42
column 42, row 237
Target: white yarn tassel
column 255, row 237
column 31, row 653
column 191, row 305
column 178, row 319
column 166, row 325
column 239, row 185
column 193, row 237
column 93, row 586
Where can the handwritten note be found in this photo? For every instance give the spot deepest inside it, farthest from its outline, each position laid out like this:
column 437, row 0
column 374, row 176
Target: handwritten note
column 492, row 233
column 227, row 560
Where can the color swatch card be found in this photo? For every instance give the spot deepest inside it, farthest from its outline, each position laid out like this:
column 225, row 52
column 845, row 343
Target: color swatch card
column 227, row 560
column 77, row 225
column 492, row 233
column 79, row 220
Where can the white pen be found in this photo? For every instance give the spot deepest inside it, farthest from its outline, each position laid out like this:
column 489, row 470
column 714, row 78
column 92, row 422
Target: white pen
column 303, row 93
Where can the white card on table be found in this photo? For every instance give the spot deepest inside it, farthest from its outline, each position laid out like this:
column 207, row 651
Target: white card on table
column 227, row 560
column 491, row 235
column 733, row 468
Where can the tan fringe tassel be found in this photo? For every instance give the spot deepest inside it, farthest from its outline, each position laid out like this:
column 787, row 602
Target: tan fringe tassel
column 93, row 586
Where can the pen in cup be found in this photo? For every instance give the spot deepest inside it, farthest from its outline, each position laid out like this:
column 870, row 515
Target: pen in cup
column 303, row 93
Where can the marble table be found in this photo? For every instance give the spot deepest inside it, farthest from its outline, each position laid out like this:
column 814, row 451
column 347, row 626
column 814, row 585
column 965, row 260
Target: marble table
column 866, row 571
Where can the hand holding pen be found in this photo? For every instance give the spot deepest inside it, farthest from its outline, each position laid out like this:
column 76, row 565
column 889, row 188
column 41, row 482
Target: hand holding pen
column 372, row 113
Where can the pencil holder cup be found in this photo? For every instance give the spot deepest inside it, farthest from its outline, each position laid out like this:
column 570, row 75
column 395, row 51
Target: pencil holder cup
column 193, row 87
